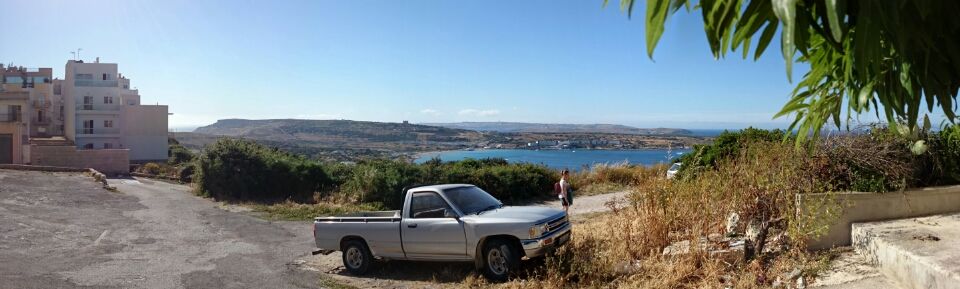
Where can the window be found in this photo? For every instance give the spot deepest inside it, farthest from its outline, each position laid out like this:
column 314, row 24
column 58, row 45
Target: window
column 107, row 123
column 14, row 112
column 87, row 103
column 106, row 76
column 88, row 128
column 40, row 115
column 88, row 146
column 107, row 99
column 428, row 205
column 107, row 145
column 84, row 76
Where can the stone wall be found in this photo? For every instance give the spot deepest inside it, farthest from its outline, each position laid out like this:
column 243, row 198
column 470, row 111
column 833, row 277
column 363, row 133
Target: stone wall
column 108, row 161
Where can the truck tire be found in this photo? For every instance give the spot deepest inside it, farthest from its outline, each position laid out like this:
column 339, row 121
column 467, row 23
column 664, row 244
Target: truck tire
column 500, row 260
column 356, row 257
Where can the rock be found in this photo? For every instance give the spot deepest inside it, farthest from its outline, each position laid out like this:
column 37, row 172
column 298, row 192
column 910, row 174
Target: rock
column 732, row 222
column 753, row 229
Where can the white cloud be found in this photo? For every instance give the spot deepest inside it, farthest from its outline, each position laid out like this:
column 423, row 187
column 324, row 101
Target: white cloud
column 430, row 111
column 478, row 112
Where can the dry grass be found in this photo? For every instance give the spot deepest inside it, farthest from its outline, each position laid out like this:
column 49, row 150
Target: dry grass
column 623, row 249
column 292, row 211
column 609, row 178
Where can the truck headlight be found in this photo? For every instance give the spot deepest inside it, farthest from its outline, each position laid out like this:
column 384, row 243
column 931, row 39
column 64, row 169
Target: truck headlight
column 538, row 230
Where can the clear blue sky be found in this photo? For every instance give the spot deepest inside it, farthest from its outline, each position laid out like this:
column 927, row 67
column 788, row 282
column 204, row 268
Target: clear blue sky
column 569, row 61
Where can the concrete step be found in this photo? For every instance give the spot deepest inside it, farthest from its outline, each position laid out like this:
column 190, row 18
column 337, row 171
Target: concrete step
column 917, row 253
column 851, row 270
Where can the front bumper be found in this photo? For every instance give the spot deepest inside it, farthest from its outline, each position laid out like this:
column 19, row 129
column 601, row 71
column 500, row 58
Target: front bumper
column 539, row 246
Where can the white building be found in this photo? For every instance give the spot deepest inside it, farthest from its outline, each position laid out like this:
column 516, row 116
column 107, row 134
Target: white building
column 103, row 112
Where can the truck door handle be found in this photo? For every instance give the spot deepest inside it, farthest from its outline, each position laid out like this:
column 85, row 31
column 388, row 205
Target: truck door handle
column 412, row 226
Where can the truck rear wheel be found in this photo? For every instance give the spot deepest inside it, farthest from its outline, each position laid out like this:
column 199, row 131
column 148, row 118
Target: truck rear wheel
column 356, row 257
column 500, row 259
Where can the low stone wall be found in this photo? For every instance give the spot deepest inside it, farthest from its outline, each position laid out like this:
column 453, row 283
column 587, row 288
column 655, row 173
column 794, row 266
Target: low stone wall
column 870, row 207
column 41, row 168
column 108, row 161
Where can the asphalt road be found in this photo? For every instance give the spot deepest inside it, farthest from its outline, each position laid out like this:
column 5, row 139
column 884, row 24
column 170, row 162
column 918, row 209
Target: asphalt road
column 61, row 230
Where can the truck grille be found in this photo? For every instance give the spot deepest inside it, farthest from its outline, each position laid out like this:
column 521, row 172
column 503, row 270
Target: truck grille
column 557, row 223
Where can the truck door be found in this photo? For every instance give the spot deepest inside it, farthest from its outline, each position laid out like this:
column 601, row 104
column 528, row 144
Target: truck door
column 431, row 231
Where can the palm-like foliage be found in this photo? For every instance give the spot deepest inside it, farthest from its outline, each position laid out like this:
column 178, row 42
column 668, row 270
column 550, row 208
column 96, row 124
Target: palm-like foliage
column 894, row 57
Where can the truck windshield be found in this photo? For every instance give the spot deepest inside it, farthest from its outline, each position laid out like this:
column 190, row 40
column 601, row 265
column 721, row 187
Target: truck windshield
column 471, row 199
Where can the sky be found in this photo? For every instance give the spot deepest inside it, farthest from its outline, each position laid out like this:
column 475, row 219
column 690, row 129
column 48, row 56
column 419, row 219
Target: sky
column 556, row 61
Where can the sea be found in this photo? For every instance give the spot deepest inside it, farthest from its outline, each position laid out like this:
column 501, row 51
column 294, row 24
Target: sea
column 562, row 159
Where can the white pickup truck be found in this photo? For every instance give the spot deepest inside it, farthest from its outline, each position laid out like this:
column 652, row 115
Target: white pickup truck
column 445, row 223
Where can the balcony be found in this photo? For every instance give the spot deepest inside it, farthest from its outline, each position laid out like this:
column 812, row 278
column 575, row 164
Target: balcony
column 43, row 120
column 98, row 132
column 88, row 108
column 42, row 103
column 11, row 117
column 95, row 83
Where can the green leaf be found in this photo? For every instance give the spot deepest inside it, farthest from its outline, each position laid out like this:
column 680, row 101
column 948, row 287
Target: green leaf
column 786, row 11
column 865, row 94
column 834, row 13
column 765, row 38
column 656, row 19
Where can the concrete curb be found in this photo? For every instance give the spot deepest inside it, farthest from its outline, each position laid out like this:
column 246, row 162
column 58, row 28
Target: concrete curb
column 894, row 247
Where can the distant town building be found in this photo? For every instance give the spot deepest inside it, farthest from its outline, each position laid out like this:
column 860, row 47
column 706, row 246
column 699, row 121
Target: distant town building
column 91, row 118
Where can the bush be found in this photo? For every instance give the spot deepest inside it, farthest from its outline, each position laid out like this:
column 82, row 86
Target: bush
column 727, row 145
column 945, row 155
column 382, row 181
column 177, row 154
column 185, row 172
column 240, row 170
column 151, row 168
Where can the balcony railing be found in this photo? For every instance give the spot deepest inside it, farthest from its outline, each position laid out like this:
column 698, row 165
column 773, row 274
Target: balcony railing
column 43, row 120
column 95, row 83
column 11, row 117
column 107, row 130
column 100, row 107
column 41, row 103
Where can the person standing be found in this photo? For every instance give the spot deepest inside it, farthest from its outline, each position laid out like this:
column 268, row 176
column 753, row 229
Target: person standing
column 564, row 193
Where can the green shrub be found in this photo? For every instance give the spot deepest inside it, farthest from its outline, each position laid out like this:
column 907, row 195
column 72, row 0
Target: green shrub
column 177, row 154
column 945, row 155
column 151, row 168
column 185, row 172
column 382, row 181
column 727, row 145
column 241, row 170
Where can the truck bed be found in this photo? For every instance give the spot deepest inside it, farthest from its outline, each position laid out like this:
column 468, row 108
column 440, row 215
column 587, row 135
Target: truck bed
column 380, row 229
column 365, row 217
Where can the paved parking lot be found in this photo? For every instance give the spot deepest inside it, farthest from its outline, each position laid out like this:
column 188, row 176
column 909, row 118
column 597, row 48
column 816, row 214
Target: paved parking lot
column 61, row 230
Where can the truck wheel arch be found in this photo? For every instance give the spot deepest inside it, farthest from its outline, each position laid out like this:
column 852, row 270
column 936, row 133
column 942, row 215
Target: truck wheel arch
column 344, row 240
column 478, row 251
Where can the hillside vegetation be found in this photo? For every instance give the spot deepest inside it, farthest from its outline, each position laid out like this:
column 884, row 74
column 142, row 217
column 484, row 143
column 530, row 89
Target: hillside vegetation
column 560, row 128
column 346, row 140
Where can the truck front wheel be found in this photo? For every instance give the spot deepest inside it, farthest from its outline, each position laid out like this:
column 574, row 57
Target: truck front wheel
column 356, row 257
column 500, row 259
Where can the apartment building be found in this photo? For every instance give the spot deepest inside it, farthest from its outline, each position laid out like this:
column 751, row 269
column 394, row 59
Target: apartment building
column 28, row 109
column 108, row 114
column 91, row 118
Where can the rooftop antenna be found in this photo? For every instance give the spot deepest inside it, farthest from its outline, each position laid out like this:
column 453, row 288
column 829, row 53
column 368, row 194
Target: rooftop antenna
column 78, row 53
column 74, row 53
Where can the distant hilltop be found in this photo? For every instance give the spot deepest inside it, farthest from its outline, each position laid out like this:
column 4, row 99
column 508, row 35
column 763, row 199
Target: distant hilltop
column 522, row 127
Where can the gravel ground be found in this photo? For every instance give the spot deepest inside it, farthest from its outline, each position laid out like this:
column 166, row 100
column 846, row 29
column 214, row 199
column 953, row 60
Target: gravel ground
column 62, row 230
